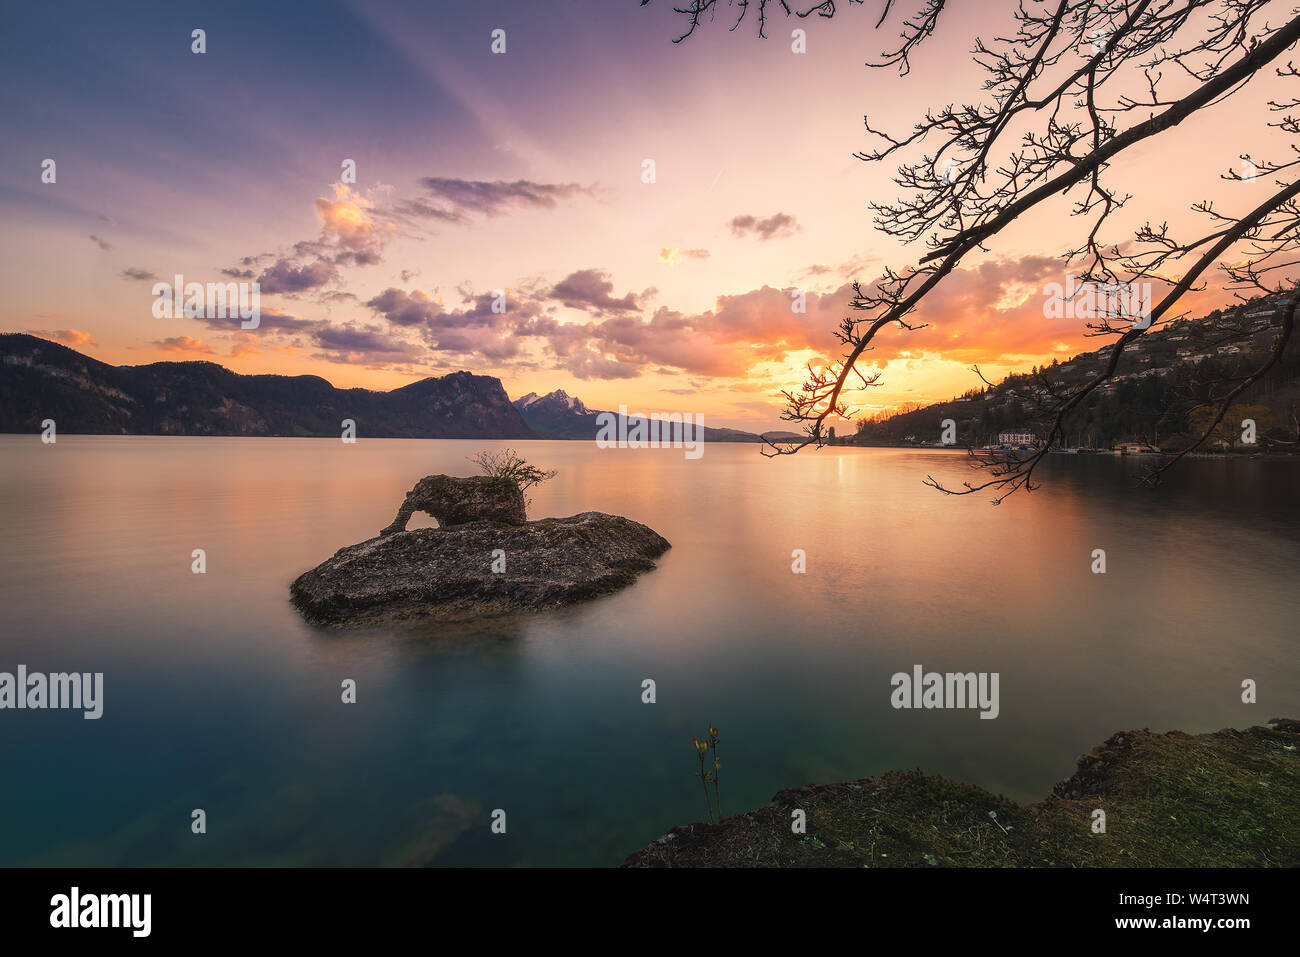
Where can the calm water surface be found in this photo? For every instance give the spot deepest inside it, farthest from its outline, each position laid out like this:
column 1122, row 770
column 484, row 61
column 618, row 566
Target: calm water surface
column 218, row 696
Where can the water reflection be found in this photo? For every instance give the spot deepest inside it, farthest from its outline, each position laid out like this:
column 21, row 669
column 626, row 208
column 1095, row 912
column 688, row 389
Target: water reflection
column 217, row 695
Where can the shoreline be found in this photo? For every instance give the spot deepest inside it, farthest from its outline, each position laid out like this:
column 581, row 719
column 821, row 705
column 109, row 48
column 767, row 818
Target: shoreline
column 1106, row 453
column 1224, row 799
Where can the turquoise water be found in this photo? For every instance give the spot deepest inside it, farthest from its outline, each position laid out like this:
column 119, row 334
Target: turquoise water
column 217, row 696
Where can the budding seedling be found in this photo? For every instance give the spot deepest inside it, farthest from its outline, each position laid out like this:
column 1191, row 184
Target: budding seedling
column 706, row 776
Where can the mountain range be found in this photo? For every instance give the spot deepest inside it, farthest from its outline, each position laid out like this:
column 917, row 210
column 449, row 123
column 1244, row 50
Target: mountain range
column 42, row 380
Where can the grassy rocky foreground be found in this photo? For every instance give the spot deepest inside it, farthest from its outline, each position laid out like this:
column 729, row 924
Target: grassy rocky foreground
column 1227, row 799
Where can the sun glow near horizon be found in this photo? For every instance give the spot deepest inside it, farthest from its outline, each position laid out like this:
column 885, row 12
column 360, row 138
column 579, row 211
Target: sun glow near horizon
column 650, row 265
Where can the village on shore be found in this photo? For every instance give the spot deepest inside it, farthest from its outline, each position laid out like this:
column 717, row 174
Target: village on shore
column 1161, row 397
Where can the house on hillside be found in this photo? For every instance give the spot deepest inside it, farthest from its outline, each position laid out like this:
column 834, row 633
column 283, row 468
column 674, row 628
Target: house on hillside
column 1017, row 438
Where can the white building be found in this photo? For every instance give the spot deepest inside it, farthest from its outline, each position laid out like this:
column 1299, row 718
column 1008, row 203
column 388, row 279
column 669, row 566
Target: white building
column 1017, row 438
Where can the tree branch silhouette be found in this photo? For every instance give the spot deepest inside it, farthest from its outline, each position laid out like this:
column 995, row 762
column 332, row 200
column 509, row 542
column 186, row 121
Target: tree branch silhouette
column 1059, row 94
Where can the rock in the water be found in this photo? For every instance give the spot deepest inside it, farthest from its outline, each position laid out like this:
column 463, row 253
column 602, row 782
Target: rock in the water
column 455, row 501
column 446, row 573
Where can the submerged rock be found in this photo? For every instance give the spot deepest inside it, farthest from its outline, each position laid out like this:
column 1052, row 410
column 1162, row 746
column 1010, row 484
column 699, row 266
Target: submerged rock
column 440, row 822
column 446, row 574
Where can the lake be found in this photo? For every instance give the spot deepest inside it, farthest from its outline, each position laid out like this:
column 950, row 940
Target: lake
column 218, row 696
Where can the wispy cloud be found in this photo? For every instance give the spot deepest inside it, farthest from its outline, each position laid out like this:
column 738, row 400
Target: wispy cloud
column 455, row 200
column 776, row 226
column 186, row 345
column 671, row 255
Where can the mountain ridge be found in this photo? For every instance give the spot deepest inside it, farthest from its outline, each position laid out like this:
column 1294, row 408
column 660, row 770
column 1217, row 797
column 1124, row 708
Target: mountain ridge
column 41, row 379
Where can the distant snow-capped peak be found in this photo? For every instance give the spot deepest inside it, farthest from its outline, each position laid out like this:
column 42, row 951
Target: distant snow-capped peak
column 558, row 398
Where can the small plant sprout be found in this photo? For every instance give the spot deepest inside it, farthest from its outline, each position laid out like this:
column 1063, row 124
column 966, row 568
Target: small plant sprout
column 702, row 750
column 717, row 769
column 993, row 816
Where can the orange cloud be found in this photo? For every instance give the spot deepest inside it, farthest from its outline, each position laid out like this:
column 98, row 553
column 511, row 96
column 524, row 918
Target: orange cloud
column 349, row 220
column 69, row 337
column 671, row 255
column 185, row 344
column 245, row 345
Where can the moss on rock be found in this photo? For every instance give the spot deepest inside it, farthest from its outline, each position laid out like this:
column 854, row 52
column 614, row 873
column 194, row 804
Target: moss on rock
column 1227, row 799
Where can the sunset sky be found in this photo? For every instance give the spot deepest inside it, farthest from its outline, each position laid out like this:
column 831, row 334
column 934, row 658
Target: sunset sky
column 520, row 171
